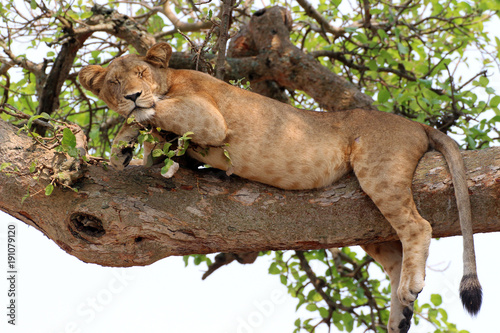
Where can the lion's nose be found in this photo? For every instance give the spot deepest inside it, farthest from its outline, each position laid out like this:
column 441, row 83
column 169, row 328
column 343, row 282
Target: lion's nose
column 133, row 97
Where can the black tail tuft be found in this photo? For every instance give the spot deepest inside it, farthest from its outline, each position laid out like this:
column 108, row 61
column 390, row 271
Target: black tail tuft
column 471, row 293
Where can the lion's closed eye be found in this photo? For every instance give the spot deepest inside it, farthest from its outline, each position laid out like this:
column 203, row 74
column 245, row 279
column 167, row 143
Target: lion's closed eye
column 143, row 73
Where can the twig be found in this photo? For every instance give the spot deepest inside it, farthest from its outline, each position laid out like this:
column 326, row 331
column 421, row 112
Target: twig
column 199, row 51
column 21, row 115
column 317, row 283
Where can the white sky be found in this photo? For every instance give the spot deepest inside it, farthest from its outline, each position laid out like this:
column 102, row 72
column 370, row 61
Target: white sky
column 59, row 293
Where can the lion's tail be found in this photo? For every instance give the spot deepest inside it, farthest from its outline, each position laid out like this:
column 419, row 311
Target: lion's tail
column 470, row 288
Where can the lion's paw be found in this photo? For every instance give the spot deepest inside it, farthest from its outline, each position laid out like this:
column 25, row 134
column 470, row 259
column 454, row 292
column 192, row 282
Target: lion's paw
column 408, row 290
column 120, row 158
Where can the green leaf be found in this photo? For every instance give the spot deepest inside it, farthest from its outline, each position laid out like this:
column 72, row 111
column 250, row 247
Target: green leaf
column 96, row 54
column 436, row 299
column 73, row 152
column 436, row 8
column 32, row 167
column 443, row 313
column 226, row 153
column 86, row 15
column 166, row 147
column 483, row 81
column 348, row 322
column 187, row 135
column 33, row 4
column 33, row 118
column 383, row 95
column 26, row 196
column 311, row 307
column 157, row 153
column 383, row 35
column 402, row 49
column 69, row 138
column 470, row 142
column 184, row 143
column 323, row 312
column 166, row 167
column 5, row 165
column 274, row 269
column 48, row 189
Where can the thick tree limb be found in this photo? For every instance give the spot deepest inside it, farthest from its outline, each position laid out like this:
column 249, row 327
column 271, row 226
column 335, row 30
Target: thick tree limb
column 51, row 89
column 136, row 217
column 267, row 37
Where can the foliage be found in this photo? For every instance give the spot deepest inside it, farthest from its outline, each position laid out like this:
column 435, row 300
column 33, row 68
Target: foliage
column 413, row 57
column 168, row 154
column 417, row 59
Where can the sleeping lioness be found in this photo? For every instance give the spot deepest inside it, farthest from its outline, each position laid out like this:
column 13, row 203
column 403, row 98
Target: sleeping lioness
column 277, row 144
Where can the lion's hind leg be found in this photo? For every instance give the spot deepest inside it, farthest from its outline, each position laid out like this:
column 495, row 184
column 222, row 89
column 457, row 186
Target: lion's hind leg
column 390, row 256
column 386, row 177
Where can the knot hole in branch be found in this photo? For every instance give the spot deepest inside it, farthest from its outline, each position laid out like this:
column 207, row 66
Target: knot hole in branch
column 87, row 224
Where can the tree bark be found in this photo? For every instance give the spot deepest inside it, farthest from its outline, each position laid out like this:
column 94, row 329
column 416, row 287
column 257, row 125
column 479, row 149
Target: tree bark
column 136, row 217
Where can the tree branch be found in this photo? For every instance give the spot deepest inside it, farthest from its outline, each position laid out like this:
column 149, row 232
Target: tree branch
column 49, row 99
column 121, row 26
column 225, row 24
column 178, row 24
column 136, row 217
column 313, row 13
column 267, row 36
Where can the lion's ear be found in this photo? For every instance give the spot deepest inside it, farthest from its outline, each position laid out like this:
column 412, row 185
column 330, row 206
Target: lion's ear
column 92, row 78
column 159, row 55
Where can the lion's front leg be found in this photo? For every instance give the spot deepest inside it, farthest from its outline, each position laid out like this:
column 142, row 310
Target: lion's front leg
column 192, row 113
column 123, row 145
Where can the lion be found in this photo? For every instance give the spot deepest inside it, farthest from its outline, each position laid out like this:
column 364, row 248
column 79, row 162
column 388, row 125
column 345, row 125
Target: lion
column 277, row 144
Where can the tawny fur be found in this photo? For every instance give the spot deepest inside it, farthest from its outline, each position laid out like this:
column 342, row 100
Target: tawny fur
column 277, row 144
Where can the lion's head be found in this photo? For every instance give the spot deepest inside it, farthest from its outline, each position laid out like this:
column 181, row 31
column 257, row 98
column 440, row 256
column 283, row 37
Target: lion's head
column 131, row 84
